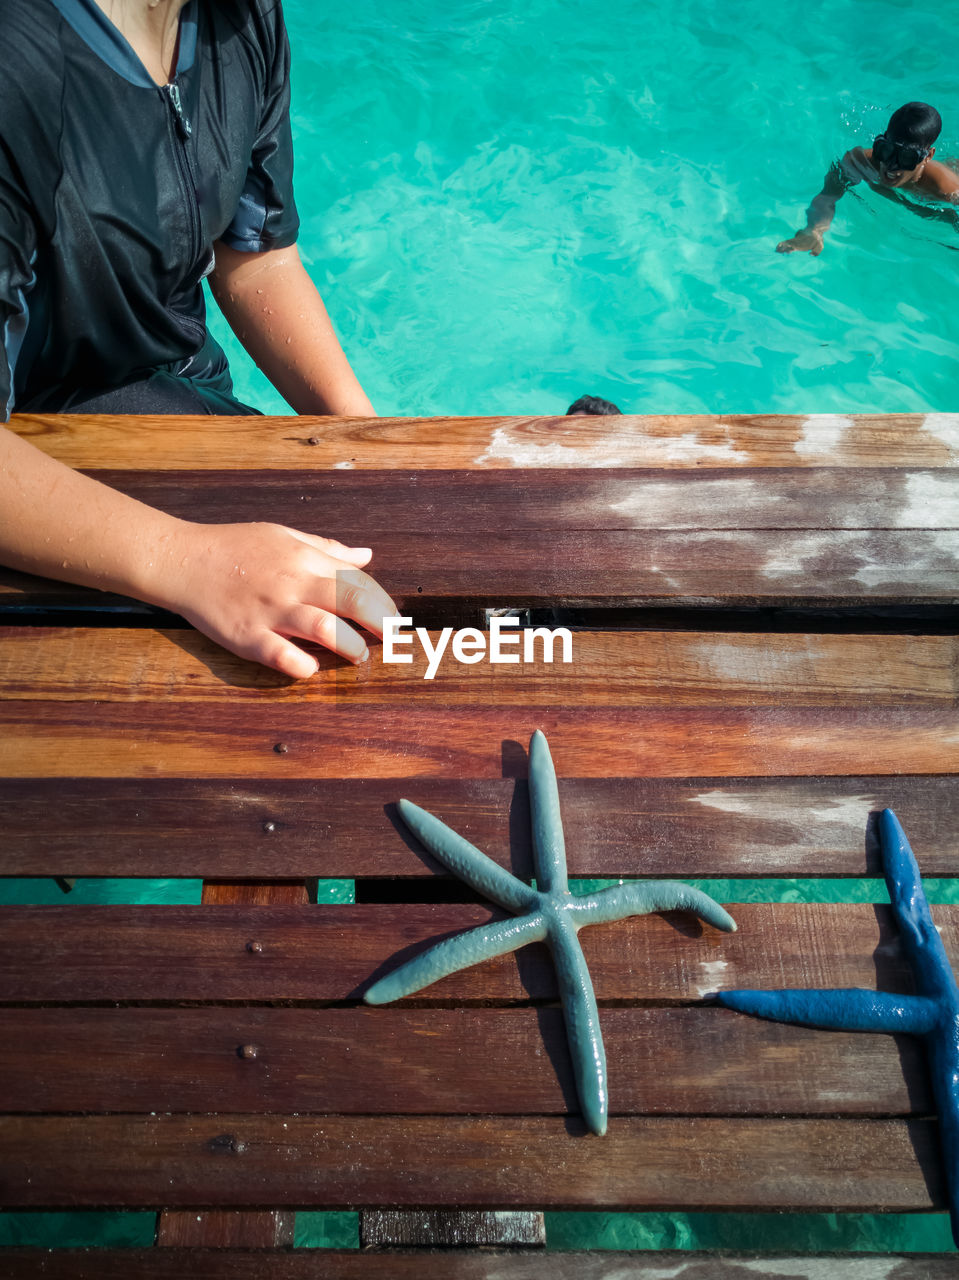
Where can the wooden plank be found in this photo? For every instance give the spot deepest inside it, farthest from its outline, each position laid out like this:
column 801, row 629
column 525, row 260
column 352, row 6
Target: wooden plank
column 151, row 739
column 270, row 1228
column 818, row 1165
column 169, row 953
column 730, row 440
column 226, row 1229
column 692, row 1061
column 307, row 1264
column 297, row 827
column 618, row 668
column 365, row 506
column 425, row 1228
column 635, row 568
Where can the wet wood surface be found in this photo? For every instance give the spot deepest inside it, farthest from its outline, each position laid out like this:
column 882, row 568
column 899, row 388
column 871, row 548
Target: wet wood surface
column 691, row 441
column 685, row 753
column 605, row 668
column 384, row 504
column 98, row 954
column 808, row 1165
column 628, row 568
column 151, row 739
column 349, row 827
column 445, row 1062
column 308, row 1264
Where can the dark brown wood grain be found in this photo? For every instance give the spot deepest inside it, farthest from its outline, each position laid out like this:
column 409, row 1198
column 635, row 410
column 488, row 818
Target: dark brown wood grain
column 677, row 441
column 794, row 568
column 170, row 953
column 297, row 827
column 152, row 739
column 397, row 1061
column 606, row 668
column 373, row 504
column 269, row 1228
column 226, row 1229
column 816, row 1165
column 308, row 1264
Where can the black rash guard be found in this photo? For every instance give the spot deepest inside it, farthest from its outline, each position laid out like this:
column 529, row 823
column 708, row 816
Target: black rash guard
column 113, row 190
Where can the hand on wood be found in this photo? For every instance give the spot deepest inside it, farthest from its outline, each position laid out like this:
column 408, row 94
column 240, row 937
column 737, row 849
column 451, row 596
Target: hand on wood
column 255, row 588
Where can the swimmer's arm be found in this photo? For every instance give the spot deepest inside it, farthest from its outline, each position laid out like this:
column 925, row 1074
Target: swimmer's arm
column 249, row 587
column 822, row 207
column 274, row 309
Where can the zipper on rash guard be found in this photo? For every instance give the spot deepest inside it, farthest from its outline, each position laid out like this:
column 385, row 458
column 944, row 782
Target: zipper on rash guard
column 184, row 131
column 183, row 126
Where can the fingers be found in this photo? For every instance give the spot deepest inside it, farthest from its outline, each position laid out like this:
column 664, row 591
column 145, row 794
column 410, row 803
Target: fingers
column 283, row 656
column 317, row 625
column 325, row 628
column 352, row 555
column 355, row 595
column 360, row 597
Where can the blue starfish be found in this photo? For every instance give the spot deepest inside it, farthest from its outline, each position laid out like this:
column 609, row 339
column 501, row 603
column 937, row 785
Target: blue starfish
column 548, row 913
column 933, row 1013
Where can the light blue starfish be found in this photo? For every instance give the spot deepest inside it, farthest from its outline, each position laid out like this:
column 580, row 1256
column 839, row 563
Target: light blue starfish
column 549, row 913
column 932, row 1013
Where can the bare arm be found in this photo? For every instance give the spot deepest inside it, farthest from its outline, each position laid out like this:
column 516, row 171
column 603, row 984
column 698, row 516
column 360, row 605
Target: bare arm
column 250, row 587
column 276, row 312
column 821, row 211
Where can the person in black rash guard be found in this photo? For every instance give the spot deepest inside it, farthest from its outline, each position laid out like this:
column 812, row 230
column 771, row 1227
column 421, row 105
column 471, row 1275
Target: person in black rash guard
column 144, row 146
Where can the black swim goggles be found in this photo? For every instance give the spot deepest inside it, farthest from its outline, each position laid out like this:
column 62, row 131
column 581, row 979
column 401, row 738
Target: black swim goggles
column 901, row 156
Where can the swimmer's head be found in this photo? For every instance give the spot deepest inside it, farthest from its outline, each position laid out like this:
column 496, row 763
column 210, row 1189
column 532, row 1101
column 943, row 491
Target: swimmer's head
column 907, row 143
column 592, row 405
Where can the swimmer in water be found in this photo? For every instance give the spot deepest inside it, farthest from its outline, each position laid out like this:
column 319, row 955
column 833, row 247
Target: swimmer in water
column 899, row 160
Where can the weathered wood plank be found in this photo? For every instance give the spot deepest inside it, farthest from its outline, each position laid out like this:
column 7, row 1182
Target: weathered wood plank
column 437, row 1228
column 298, row 827
column 306, row 1264
column 732, row 440
column 366, row 506
column 692, row 1061
column 796, row 568
column 169, row 953
column 817, row 1165
column 150, row 739
column 619, row 668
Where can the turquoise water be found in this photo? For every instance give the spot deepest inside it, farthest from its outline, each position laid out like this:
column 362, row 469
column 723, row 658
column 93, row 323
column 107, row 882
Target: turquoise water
column 507, row 205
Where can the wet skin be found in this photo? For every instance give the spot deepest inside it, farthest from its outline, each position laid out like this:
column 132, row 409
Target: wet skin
column 929, row 179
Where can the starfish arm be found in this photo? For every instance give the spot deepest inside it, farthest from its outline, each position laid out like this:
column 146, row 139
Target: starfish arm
column 463, row 858
column 581, row 1015
column 466, row 949
column 639, row 897
column 920, row 936
column 549, row 846
column 852, row 1009
column 943, row 1050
